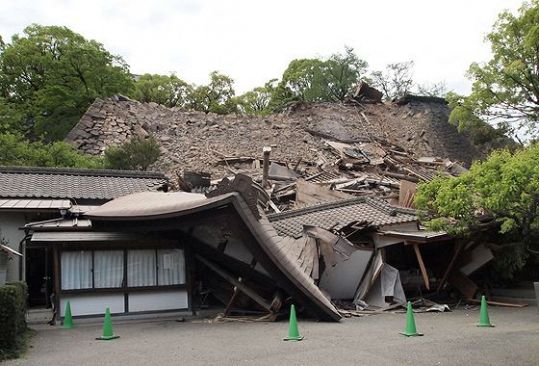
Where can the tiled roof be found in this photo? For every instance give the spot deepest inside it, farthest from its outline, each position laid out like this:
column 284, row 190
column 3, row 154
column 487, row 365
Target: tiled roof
column 77, row 184
column 34, row 204
column 338, row 214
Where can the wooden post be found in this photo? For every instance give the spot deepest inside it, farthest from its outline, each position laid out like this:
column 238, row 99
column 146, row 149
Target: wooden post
column 266, row 150
column 422, row 266
column 56, row 277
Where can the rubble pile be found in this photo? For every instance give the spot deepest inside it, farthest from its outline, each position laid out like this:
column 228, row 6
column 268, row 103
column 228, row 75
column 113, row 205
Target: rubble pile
column 335, row 181
column 221, row 145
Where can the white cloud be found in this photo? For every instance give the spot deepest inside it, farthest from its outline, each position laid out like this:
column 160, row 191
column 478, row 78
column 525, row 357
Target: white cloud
column 253, row 41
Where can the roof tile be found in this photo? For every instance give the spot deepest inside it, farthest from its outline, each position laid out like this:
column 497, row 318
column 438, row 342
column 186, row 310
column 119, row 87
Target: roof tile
column 34, row 182
column 340, row 213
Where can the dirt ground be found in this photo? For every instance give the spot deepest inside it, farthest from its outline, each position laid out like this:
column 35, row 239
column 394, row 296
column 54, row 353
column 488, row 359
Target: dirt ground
column 450, row 339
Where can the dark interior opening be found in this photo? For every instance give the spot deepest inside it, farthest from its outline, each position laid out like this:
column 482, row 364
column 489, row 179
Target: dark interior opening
column 39, row 276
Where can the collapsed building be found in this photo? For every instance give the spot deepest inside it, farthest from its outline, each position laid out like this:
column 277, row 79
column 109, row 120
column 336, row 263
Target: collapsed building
column 313, row 206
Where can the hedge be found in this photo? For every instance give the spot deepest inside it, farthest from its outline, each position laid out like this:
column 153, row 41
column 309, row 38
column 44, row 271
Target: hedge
column 12, row 318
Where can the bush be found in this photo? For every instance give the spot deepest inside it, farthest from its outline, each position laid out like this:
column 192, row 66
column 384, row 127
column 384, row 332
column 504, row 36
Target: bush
column 136, row 154
column 15, row 150
column 12, row 319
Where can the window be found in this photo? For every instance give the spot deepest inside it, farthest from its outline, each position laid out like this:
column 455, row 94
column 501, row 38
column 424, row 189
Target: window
column 102, row 269
column 76, row 270
column 141, row 268
column 108, row 268
column 170, row 267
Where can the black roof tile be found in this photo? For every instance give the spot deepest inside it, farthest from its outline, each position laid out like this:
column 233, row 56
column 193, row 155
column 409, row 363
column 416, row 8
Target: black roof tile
column 77, row 184
column 340, row 213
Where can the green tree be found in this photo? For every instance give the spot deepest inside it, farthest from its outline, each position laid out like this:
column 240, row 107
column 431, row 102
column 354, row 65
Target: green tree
column 303, row 79
column 136, row 154
column 257, row 101
column 341, row 72
column 52, row 74
column 502, row 192
column 14, row 150
column 506, row 88
column 318, row 80
column 168, row 90
column 481, row 133
column 216, row 97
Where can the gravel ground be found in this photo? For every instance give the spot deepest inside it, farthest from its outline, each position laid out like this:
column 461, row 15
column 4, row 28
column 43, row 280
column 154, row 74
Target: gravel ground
column 450, row 339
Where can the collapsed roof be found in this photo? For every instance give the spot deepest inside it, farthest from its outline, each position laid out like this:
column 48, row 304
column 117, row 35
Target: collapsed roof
column 150, row 207
column 335, row 215
column 195, row 141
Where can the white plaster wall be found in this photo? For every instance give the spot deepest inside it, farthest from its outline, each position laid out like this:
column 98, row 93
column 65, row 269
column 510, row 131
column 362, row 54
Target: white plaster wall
column 9, row 228
column 92, row 304
column 158, row 300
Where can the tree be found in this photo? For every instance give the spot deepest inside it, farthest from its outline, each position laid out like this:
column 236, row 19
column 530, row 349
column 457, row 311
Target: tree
column 136, row 154
column 10, row 118
column 217, row 97
column 14, row 150
column 257, row 101
column 52, row 74
column 303, row 79
column 432, row 90
column 395, row 81
column 341, row 72
column 318, row 80
column 502, row 192
column 506, row 88
column 481, row 133
column 169, row 91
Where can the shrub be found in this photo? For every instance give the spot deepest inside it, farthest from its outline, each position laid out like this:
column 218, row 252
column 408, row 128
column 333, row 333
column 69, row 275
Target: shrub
column 136, row 154
column 12, row 319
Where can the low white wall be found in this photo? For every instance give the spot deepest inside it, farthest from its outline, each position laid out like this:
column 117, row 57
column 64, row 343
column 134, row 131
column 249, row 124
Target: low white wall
column 95, row 304
column 92, row 304
column 158, row 300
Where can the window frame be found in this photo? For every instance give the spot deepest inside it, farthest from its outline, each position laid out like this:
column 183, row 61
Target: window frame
column 124, row 287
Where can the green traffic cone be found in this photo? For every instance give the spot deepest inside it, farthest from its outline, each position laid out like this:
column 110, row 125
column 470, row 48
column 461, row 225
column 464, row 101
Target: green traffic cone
column 410, row 329
column 68, row 319
column 107, row 328
column 484, row 320
column 293, row 331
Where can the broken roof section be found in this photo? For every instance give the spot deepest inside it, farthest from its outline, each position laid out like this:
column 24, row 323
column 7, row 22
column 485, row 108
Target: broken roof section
column 335, row 215
column 266, row 247
column 76, row 184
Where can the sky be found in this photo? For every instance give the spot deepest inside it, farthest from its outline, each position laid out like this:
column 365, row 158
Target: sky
column 253, row 40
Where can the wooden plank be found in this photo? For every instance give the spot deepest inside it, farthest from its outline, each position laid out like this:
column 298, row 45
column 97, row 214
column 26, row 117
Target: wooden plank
column 242, row 287
column 475, row 258
column 407, row 191
column 422, row 266
column 232, row 298
column 309, row 193
column 500, row 303
column 467, row 287
column 450, row 266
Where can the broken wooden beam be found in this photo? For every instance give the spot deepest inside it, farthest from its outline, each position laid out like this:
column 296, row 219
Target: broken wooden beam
column 402, row 176
column 241, row 286
column 422, row 266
